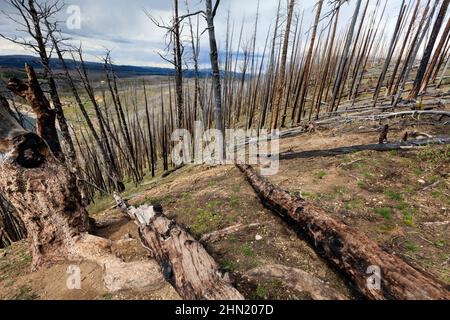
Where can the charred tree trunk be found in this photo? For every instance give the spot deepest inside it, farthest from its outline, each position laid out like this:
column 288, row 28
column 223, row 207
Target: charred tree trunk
column 45, row 116
column 37, row 15
column 178, row 67
column 349, row 250
column 281, row 80
column 210, row 13
column 39, row 187
column 429, row 50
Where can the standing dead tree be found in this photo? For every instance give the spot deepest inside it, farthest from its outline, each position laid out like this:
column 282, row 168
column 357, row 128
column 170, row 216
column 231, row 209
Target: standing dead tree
column 178, row 61
column 429, row 50
column 210, row 14
column 282, row 71
column 31, row 16
column 434, row 62
column 344, row 58
column 45, row 115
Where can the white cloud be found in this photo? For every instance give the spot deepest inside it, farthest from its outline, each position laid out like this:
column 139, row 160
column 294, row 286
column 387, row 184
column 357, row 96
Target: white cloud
column 124, row 27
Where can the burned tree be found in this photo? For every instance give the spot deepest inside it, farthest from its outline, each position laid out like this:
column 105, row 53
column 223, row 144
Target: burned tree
column 36, row 183
column 429, row 50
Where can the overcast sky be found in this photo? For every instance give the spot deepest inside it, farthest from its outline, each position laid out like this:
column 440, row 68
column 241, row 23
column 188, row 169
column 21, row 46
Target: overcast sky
column 124, row 27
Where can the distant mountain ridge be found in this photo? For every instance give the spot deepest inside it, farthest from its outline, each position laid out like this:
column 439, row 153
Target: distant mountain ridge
column 18, row 62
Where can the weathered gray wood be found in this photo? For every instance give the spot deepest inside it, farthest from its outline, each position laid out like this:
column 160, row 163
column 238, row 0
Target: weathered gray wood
column 184, row 261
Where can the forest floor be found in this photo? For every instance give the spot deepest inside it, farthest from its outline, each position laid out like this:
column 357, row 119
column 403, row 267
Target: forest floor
column 395, row 198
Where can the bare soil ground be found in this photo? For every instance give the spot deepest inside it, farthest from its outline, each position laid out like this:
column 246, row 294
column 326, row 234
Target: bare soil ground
column 396, row 198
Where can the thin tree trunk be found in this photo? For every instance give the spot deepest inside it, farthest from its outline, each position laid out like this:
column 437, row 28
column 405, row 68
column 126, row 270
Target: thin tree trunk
column 429, row 50
column 344, row 59
column 214, row 66
column 282, row 71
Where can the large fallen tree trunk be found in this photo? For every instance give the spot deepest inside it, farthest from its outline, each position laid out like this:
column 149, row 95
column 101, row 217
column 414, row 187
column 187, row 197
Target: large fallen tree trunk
column 349, row 250
column 372, row 147
column 184, row 261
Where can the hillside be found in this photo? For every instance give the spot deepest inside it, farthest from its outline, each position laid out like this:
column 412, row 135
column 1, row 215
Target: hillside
column 11, row 65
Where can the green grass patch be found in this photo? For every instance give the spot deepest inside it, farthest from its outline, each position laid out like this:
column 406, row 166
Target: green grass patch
column 439, row 243
column 266, row 290
column 208, row 218
column 393, row 195
column 408, row 218
column 26, row 293
column 320, row 174
column 247, row 251
column 411, row 246
column 354, row 204
column 229, row 265
column 385, row 212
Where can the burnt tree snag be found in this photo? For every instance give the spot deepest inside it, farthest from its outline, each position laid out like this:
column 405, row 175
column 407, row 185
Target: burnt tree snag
column 46, row 198
column 38, row 186
column 45, row 116
column 347, row 249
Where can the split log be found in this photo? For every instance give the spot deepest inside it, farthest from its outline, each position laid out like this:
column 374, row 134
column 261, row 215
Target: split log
column 403, row 145
column 184, row 261
column 350, row 251
column 297, row 280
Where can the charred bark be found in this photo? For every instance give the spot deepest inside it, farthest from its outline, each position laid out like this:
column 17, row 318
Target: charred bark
column 347, row 249
column 45, row 116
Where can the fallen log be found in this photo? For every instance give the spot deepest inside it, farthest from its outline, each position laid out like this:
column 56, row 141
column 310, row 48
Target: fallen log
column 217, row 235
column 377, row 117
column 402, row 145
column 297, row 280
column 350, row 251
column 184, row 261
column 169, row 172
